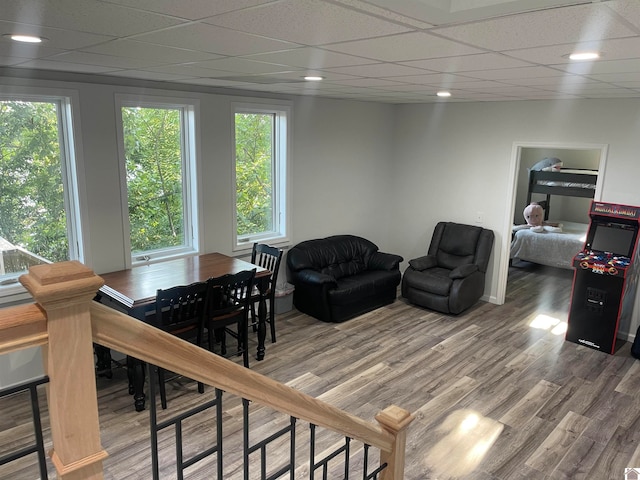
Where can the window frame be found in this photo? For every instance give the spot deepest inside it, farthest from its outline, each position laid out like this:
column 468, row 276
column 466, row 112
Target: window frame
column 73, row 178
column 190, row 154
column 281, row 167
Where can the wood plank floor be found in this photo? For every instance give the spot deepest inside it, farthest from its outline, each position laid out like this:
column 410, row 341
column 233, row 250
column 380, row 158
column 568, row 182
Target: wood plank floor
column 496, row 392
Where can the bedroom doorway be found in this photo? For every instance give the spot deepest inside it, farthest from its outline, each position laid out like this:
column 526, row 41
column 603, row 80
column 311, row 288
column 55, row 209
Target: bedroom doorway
column 526, row 154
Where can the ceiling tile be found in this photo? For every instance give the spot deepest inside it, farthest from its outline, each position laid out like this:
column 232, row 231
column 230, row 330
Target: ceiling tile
column 308, row 22
column 559, row 80
column 310, row 57
column 55, row 38
column 467, row 84
column 85, row 16
column 613, row 66
column 26, row 50
column 508, row 73
column 558, row 54
column 365, row 82
column 629, row 10
column 403, row 47
column 436, row 79
column 209, row 38
column 157, row 76
column 218, row 82
column 297, row 75
column 465, row 63
column 192, row 9
column 8, row 61
column 378, row 70
column 242, row 65
column 150, row 51
column 617, row 77
column 441, row 12
column 385, row 11
column 407, row 89
column 65, row 67
column 535, row 29
column 187, row 70
column 629, row 84
column 110, row 61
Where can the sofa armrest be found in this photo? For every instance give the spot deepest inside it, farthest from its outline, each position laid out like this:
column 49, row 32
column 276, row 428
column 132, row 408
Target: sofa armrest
column 384, row 261
column 315, row 278
column 463, row 271
column 311, row 294
column 423, row 263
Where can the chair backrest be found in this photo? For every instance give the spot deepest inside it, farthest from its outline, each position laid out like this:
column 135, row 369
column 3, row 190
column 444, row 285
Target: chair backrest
column 456, row 244
column 180, row 308
column 230, row 294
column 268, row 257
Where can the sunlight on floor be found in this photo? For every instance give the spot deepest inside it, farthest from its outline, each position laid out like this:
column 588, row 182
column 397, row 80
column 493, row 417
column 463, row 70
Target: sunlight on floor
column 468, row 437
column 553, row 325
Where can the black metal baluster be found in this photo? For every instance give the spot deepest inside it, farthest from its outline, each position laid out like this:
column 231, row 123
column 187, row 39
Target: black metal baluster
column 38, row 446
column 176, row 422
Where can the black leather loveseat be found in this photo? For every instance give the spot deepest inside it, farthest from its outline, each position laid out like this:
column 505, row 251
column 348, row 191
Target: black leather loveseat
column 340, row 277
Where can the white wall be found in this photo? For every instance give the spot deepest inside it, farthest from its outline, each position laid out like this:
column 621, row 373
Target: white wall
column 451, row 161
column 341, row 169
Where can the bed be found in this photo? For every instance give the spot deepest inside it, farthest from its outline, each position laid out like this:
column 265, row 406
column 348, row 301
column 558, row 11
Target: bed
column 555, row 249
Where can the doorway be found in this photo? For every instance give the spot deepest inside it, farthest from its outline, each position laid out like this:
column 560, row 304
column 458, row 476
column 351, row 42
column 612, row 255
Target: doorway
column 526, row 154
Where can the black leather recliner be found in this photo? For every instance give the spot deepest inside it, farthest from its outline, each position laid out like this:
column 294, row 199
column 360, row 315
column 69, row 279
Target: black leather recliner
column 450, row 278
column 342, row 276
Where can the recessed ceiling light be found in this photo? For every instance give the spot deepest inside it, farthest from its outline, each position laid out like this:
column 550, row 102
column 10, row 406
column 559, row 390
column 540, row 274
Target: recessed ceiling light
column 443, row 93
column 24, row 38
column 584, row 56
column 313, row 78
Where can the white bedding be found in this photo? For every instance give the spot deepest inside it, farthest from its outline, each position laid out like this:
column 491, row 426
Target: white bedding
column 547, row 248
column 566, row 184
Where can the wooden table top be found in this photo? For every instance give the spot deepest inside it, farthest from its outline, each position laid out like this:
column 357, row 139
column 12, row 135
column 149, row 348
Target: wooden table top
column 137, row 286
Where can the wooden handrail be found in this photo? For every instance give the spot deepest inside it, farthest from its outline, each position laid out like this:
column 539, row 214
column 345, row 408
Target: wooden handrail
column 133, row 337
column 22, row 327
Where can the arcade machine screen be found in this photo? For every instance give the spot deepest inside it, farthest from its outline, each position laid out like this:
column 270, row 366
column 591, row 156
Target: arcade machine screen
column 613, row 238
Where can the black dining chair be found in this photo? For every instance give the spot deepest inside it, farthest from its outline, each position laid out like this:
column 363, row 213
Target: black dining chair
column 180, row 311
column 268, row 257
column 229, row 300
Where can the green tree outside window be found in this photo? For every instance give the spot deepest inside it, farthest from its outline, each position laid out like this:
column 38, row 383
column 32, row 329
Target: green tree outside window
column 32, row 206
column 254, row 173
column 153, row 143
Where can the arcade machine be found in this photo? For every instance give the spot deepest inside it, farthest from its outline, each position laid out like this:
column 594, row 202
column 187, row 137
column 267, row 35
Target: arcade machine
column 605, row 276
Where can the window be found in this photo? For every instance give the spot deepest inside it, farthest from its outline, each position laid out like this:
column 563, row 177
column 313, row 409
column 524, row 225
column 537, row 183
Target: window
column 157, row 146
column 39, row 206
column 261, row 136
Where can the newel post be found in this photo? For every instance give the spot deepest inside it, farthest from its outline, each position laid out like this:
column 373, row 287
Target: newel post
column 65, row 291
column 395, row 420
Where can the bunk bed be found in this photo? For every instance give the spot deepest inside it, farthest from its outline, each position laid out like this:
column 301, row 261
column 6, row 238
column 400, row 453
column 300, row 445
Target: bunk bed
column 555, row 249
column 567, row 182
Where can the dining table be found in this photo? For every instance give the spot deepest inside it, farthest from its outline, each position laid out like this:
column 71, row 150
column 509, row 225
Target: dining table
column 133, row 291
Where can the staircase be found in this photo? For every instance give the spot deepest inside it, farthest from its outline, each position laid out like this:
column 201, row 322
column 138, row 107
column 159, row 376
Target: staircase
column 66, row 323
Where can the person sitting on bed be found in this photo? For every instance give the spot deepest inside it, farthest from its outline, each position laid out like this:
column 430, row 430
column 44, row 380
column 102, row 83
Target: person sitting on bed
column 534, row 216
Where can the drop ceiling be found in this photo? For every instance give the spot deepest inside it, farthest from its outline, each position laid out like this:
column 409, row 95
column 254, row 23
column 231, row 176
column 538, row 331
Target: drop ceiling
column 392, row 51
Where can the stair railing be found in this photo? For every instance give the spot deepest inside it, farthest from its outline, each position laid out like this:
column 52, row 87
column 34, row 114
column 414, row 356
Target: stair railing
column 66, row 322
